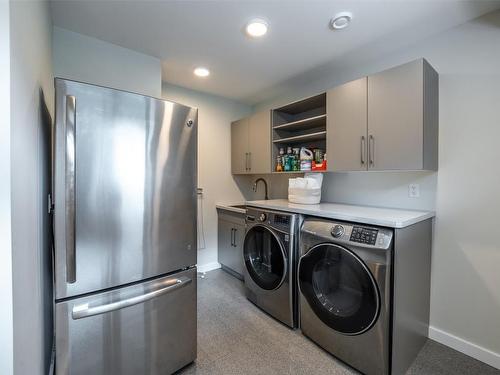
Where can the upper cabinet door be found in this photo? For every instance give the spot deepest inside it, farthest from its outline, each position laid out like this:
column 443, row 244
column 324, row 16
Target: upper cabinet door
column 259, row 130
column 239, row 147
column 347, row 127
column 395, row 118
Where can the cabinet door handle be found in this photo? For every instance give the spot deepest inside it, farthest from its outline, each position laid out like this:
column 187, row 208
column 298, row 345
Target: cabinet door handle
column 363, row 147
column 235, row 230
column 246, row 161
column 232, row 236
column 371, row 149
column 249, row 161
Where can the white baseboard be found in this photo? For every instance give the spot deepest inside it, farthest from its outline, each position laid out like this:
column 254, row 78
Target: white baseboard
column 466, row 347
column 208, row 266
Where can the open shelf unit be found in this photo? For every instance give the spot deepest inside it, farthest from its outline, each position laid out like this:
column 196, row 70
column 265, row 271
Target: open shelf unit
column 310, row 122
column 299, row 124
column 302, row 138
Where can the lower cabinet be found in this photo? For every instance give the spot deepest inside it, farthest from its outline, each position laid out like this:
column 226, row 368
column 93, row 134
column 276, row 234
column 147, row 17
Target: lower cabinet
column 231, row 233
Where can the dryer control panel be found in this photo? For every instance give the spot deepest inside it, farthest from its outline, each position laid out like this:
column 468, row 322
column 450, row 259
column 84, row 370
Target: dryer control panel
column 364, row 235
column 348, row 233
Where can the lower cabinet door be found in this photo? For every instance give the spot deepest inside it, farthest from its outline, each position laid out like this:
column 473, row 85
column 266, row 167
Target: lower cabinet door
column 231, row 246
column 145, row 328
column 225, row 242
column 237, row 258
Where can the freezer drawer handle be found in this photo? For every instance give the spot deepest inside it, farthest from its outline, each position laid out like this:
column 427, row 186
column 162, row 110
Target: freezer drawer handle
column 70, row 165
column 84, row 311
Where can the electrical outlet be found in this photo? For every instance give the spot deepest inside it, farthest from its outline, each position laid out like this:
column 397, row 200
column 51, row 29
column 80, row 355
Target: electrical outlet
column 414, row 191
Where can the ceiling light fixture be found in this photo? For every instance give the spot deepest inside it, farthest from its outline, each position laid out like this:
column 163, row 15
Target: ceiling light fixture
column 341, row 20
column 256, row 28
column 201, row 72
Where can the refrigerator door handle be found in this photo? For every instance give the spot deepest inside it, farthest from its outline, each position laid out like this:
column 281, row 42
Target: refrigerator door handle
column 84, row 310
column 70, row 164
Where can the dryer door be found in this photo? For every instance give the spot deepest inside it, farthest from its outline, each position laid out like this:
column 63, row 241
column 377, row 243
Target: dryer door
column 264, row 257
column 339, row 288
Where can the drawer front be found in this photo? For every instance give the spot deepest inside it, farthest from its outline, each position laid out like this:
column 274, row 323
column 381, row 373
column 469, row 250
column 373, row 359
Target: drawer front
column 233, row 217
column 147, row 328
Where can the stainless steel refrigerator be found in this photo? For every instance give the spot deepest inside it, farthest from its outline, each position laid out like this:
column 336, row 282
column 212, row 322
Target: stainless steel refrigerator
column 125, row 232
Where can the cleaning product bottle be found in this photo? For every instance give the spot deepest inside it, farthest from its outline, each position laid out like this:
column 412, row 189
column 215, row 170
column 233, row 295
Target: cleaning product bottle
column 306, row 157
column 279, row 166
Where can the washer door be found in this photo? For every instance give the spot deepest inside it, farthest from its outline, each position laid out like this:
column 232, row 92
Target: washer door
column 339, row 288
column 264, row 257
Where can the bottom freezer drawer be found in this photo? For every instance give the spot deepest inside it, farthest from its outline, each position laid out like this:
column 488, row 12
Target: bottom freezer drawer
column 147, row 328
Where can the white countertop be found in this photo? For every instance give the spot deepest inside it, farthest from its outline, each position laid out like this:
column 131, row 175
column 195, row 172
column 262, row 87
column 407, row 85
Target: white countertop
column 387, row 217
column 230, row 207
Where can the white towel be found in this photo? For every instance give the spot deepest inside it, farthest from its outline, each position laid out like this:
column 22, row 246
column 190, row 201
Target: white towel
column 310, row 181
column 315, row 180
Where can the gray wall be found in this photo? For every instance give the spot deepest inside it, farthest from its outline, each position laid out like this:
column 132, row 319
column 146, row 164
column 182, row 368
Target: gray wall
column 214, row 160
column 465, row 299
column 31, row 94
column 6, row 323
column 91, row 60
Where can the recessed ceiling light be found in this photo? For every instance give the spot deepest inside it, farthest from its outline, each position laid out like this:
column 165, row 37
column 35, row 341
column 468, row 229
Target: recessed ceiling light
column 256, row 28
column 202, row 72
column 341, row 20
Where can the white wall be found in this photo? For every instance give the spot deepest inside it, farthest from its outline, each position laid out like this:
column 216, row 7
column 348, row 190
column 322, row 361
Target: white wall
column 6, row 318
column 31, row 93
column 215, row 115
column 82, row 58
column 465, row 298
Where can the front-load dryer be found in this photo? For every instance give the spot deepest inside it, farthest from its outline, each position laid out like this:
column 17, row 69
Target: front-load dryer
column 344, row 277
column 270, row 258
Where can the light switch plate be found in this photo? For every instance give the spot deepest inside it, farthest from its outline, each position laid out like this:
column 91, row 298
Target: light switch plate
column 414, row 190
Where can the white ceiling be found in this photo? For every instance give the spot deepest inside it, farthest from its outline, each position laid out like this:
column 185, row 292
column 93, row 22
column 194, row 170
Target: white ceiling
column 185, row 34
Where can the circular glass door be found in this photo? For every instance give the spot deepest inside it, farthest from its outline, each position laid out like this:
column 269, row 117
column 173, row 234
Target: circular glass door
column 339, row 288
column 264, row 257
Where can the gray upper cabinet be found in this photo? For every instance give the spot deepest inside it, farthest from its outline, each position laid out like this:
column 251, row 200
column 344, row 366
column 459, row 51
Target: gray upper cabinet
column 386, row 121
column 251, row 144
column 403, row 118
column 347, row 127
column 260, row 142
column 239, row 146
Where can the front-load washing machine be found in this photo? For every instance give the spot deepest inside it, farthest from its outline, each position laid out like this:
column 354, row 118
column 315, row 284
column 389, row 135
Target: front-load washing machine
column 270, row 258
column 344, row 277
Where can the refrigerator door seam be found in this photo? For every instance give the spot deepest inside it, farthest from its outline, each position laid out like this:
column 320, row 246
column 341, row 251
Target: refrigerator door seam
column 70, row 164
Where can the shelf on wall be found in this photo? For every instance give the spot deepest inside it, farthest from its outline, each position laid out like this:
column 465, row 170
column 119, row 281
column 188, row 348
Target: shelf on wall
column 302, row 138
column 298, row 172
column 311, row 122
column 304, row 105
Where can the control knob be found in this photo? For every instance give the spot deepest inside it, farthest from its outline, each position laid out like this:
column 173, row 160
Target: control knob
column 337, row 231
column 262, row 217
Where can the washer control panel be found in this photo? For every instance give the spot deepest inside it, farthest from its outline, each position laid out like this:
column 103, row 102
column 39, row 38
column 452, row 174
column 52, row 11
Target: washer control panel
column 282, row 221
column 364, row 235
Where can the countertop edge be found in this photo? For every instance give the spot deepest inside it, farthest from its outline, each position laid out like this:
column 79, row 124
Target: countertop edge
column 396, row 224
column 228, row 207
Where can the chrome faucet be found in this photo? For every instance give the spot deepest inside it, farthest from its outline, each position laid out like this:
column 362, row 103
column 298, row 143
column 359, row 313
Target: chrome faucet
column 265, row 186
